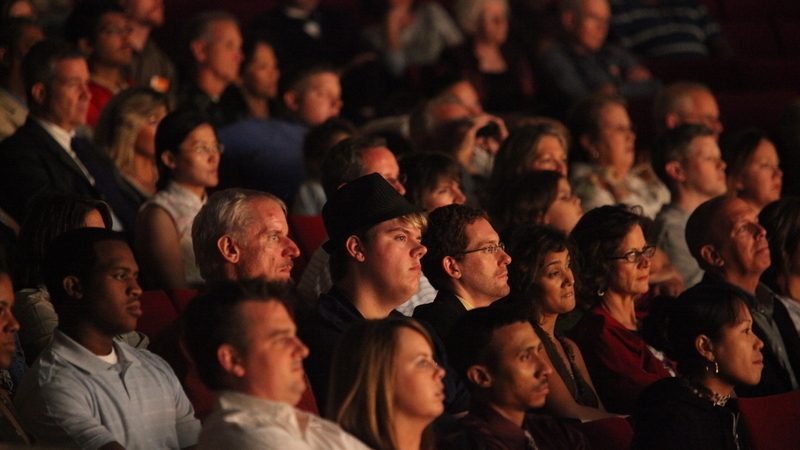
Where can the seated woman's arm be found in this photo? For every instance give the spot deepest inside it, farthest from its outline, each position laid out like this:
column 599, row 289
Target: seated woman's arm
column 158, row 249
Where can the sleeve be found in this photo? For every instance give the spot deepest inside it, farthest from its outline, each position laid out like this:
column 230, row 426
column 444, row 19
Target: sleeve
column 187, row 427
column 446, row 26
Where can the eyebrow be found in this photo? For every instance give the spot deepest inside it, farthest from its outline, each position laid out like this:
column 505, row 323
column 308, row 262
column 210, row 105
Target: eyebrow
column 551, row 263
column 279, row 333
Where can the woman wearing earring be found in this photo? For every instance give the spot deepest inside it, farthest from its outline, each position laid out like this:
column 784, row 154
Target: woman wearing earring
column 386, row 389
column 614, row 261
column 709, row 334
column 187, row 153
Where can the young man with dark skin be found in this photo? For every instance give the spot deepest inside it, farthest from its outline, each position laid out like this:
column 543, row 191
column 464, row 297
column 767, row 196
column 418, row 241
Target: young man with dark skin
column 727, row 241
column 466, row 262
column 88, row 388
column 497, row 352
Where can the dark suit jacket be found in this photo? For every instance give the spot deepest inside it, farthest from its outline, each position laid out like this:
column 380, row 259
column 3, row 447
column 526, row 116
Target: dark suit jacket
column 442, row 313
column 31, row 161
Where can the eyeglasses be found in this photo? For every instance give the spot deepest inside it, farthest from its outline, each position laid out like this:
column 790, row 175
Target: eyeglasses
column 635, row 256
column 488, row 250
column 202, row 149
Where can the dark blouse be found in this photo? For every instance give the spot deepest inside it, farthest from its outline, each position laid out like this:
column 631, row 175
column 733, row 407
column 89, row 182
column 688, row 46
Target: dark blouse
column 581, row 391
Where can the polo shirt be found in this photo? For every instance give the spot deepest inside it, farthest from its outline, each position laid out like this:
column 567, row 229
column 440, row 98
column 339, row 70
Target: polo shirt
column 71, row 398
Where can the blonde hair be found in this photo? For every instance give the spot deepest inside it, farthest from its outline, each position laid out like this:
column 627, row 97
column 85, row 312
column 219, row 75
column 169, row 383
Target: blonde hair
column 122, row 119
column 362, row 387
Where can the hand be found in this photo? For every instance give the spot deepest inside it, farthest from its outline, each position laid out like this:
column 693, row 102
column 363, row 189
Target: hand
column 638, row 73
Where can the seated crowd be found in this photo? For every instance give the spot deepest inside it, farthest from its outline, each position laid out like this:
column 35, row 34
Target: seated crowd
column 391, row 242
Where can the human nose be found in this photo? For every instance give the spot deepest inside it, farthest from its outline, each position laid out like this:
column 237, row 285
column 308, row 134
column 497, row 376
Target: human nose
column 458, row 197
column 134, row 289
column 291, row 250
column 543, row 369
column 569, row 278
column 505, row 258
column 398, row 186
column 419, row 251
column 12, row 326
column 302, row 350
column 759, row 344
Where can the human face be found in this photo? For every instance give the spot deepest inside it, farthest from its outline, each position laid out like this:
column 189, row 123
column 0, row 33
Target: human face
column 519, row 382
column 630, row 278
column 565, row 211
column 482, row 277
column 94, row 220
column 67, row 99
column 493, row 22
column 8, row 323
column 223, row 50
column 147, row 12
column 615, row 141
column 761, row 179
column 112, row 45
column 468, row 100
column 591, row 24
column 742, row 242
column 21, row 8
column 447, row 191
column 557, row 283
column 112, row 292
column 266, row 251
column 273, row 356
column 197, row 160
column 391, row 252
column 260, row 77
column 738, row 352
column 146, row 139
column 704, row 111
column 419, row 391
column 704, row 168
column 550, row 155
column 381, row 160
column 320, row 99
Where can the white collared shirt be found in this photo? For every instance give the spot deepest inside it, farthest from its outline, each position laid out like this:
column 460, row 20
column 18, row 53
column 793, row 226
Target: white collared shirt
column 64, row 139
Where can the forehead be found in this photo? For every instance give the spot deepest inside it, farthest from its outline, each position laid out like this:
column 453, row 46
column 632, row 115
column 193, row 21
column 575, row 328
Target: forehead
column 323, row 80
column 388, row 225
column 549, row 144
column 480, row 231
column 223, row 29
column 613, row 112
column 203, row 132
column 113, row 253
column 703, row 145
column 411, row 341
column 264, row 317
column 268, row 211
column 514, row 338
column 71, row 68
column 595, row 8
column 633, row 239
column 6, row 288
column 704, row 103
column 375, row 159
column 112, row 18
column 737, row 210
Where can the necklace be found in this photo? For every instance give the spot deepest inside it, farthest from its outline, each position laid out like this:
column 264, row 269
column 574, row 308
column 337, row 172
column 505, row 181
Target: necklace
column 703, row 392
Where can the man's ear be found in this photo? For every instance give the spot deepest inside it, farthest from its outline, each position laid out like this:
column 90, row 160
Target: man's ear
column 675, row 171
column 85, row 47
column 230, row 360
column 480, row 376
column 199, row 49
column 451, row 268
column 711, row 256
column 355, row 248
column 168, row 158
column 39, row 93
column 705, row 347
column 72, row 286
column 292, row 100
column 229, row 249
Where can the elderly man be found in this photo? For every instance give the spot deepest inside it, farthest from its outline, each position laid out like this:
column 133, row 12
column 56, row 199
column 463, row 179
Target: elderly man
column 466, row 262
column 253, row 361
column 727, row 241
column 687, row 103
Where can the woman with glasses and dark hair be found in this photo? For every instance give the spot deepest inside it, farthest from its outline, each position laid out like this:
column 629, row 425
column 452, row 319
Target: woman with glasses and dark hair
column 614, row 261
column 709, row 335
column 542, row 281
column 187, row 153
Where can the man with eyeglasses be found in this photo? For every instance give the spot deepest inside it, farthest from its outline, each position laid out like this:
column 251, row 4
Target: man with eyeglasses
column 466, row 262
column 101, row 30
column 727, row 241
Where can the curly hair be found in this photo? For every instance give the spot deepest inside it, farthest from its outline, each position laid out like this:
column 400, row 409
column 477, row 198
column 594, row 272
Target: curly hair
column 446, row 236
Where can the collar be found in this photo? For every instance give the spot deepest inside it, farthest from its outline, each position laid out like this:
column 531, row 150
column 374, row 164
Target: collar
column 505, row 430
column 62, row 136
column 762, row 300
column 80, row 357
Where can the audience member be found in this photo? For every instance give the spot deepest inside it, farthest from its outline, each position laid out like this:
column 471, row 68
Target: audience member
column 320, row 139
column 584, row 63
column 710, row 336
column 242, row 338
column 667, row 29
column 410, row 33
column 687, row 159
column 18, row 8
column 781, row 221
column 753, row 168
column 260, row 74
column 16, row 38
column 614, row 260
column 603, row 129
column 50, row 215
column 89, row 389
column 11, row 430
column 496, row 66
column 150, row 66
column 126, row 132
column 465, row 262
column 386, row 386
column 431, row 180
column 268, row 154
column 100, row 29
column 215, row 54
column 346, row 161
column 43, row 155
column 536, row 197
column 727, row 241
column 687, row 102
column 503, row 360
column 542, row 280
column 187, row 153
column 375, row 249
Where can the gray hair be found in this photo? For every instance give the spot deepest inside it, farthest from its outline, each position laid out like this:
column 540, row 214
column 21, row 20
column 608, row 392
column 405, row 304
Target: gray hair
column 227, row 212
column 676, row 98
column 468, row 13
